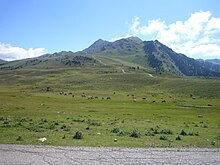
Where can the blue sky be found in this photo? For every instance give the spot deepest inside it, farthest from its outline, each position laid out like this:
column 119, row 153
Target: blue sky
column 31, row 28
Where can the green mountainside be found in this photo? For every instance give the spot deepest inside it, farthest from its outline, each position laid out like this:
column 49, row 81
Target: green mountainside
column 128, row 52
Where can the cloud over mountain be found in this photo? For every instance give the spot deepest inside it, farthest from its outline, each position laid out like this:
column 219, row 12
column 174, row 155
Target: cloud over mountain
column 9, row 53
column 198, row 36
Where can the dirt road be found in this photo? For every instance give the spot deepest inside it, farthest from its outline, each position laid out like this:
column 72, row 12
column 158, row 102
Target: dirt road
column 49, row 155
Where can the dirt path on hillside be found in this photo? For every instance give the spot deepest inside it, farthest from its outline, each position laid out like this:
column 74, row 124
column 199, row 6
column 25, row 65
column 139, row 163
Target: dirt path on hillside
column 46, row 155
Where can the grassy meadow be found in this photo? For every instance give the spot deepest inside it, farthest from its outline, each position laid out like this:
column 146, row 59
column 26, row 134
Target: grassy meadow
column 105, row 104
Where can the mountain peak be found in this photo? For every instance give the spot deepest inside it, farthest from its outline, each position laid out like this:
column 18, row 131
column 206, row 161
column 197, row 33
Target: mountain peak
column 97, row 46
column 130, row 39
column 100, row 41
column 134, row 38
column 157, row 42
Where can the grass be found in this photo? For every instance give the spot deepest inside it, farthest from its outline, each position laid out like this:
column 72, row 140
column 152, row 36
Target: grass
column 29, row 110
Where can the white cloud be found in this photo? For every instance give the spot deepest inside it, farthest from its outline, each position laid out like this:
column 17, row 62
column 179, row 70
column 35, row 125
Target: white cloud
column 213, row 26
column 154, row 26
column 209, row 50
column 198, row 50
column 134, row 26
column 9, row 53
column 195, row 36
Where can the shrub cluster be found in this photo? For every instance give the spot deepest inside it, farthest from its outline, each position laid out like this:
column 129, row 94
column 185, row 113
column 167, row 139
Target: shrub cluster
column 78, row 135
column 184, row 133
column 135, row 133
column 163, row 137
column 154, row 131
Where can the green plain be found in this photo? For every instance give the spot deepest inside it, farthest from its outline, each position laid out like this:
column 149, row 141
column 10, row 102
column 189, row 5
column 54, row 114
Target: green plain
column 36, row 103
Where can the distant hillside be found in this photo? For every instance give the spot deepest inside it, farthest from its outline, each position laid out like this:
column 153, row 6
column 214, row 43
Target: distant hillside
column 49, row 62
column 214, row 61
column 54, row 55
column 2, row 62
column 128, row 52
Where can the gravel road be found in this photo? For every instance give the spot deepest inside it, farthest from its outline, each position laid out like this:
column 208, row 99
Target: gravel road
column 49, row 155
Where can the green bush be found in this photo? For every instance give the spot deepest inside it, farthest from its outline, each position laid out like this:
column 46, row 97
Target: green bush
column 18, row 124
column 149, row 133
column 178, row 138
column 116, row 130
column 183, row 133
column 166, row 131
column 78, row 135
column 155, row 130
column 163, row 137
column 135, row 133
column 6, row 123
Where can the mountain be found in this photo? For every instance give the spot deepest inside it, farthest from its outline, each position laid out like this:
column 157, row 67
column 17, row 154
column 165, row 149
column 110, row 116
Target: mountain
column 125, row 53
column 164, row 59
column 214, row 61
column 153, row 55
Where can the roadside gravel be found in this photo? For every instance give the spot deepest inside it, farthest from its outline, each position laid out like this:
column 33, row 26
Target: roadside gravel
column 50, row 155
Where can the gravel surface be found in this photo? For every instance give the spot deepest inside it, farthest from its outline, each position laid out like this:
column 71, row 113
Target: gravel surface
column 49, row 155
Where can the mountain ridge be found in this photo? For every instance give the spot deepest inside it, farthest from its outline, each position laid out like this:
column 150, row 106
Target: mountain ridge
column 122, row 45
column 213, row 61
column 151, row 55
